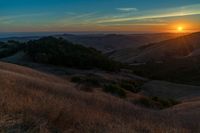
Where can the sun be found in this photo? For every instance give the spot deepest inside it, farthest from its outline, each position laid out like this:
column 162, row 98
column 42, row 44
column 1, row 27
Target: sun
column 180, row 28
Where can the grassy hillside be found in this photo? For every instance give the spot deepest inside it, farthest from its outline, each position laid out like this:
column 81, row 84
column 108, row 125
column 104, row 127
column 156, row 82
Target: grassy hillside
column 186, row 70
column 175, row 60
column 83, row 98
column 31, row 101
column 168, row 49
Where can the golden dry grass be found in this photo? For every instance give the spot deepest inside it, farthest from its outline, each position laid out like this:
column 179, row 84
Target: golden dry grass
column 31, row 101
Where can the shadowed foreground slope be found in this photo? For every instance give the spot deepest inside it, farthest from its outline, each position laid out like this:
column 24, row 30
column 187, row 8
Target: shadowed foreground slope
column 31, row 101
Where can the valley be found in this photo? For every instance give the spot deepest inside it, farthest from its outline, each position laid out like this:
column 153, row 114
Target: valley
column 97, row 91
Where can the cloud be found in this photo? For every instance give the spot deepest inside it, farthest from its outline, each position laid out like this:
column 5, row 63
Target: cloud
column 155, row 14
column 8, row 18
column 85, row 15
column 136, row 24
column 147, row 17
column 78, row 19
column 127, row 9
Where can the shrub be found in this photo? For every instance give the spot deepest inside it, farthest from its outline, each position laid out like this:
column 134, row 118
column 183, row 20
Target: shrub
column 146, row 102
column 55, row 51
column 93, row 81
column 130, row 86
column 86, row 88
column 165, row 103
column 10, row 48
column 115, row 90
column 156, row 102
column 76, row 79
column 87, row 80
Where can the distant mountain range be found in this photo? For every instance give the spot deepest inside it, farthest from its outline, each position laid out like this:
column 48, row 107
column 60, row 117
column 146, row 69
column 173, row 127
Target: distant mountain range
column 106, row 42
column 134, row 48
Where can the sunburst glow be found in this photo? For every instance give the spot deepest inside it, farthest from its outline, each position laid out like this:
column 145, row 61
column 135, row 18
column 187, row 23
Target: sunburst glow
column 180, row 29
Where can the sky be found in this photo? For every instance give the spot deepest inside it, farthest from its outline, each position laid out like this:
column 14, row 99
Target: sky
column 99, row 15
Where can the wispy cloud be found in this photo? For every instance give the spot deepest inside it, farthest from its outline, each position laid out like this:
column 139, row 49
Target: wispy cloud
column 84, row 15
column 11, row 17
column 156, row 14
column 136, row 24
column 77, row 19
column 124, row 16
column 127, row 9
column 148, row 17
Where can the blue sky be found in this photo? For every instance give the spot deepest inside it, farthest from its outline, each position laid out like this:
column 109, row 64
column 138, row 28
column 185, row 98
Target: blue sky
column 98, row 15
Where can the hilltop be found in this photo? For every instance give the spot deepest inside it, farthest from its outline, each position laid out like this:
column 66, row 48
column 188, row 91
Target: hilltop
column 180, row 47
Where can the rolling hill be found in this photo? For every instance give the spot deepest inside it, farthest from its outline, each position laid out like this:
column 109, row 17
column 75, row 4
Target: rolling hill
column 175, row 60
column 180, row 47
column 57, row 51
column 32, row 101
column 105, row 42
column 57, row 94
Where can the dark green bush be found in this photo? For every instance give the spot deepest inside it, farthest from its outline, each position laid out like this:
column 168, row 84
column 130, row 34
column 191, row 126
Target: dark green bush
column 156, row 102
column 76, row 79
column 55, row 51
column 165, row 103
column 10, row 48
column 130, row 86
column 112, row 86
column 115, row 90
column 86, row 88
column 87, row 80
column 146, row 102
